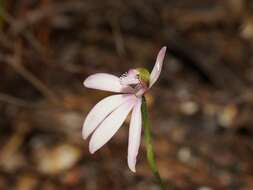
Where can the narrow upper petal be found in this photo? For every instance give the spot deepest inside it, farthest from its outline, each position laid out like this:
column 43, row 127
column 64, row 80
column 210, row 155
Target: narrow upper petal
column 100, row 111
column 158, row 67
column 110, row 125
column 134, row 135
column 107, row 82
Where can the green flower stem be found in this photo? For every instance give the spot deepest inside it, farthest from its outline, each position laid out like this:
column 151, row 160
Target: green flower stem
column 148, row 143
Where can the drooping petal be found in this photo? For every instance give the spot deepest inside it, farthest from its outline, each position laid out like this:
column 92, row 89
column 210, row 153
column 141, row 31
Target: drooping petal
column 100, row 111
column 158, row 67
column 110, row 125
column 107, row 82
column 134, row 135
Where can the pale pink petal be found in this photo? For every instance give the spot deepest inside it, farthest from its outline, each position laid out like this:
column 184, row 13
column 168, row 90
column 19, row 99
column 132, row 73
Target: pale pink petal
column 100, row 111
column 110, row 125
column 130, row 78
column 134, row 135
column 158, row 67
column 107, row 82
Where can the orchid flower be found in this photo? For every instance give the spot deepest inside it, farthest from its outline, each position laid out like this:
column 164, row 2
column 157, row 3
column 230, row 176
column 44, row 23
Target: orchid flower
column 108, row 115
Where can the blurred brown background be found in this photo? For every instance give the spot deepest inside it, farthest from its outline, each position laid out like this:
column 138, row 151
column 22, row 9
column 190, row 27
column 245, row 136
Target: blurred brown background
column 201, row 108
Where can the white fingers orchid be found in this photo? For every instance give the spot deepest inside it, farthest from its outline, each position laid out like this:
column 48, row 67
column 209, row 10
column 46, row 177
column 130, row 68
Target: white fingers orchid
column 108, row 115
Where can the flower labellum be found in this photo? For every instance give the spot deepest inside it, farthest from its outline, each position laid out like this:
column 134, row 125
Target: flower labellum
column 108, row 115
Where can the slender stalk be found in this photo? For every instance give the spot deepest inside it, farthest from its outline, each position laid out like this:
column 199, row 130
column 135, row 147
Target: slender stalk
column 149, row 146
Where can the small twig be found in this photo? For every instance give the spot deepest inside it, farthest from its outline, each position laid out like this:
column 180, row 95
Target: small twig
column 29, row 36
column 1, row 10
column 20, row 25
column 210, row 69
column 12, row 146
column 4, row 41
column 14, row 100
column 33, row 80
column 39, row 85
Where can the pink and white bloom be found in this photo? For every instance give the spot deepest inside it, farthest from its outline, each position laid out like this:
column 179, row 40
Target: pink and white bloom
column 108, row 115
